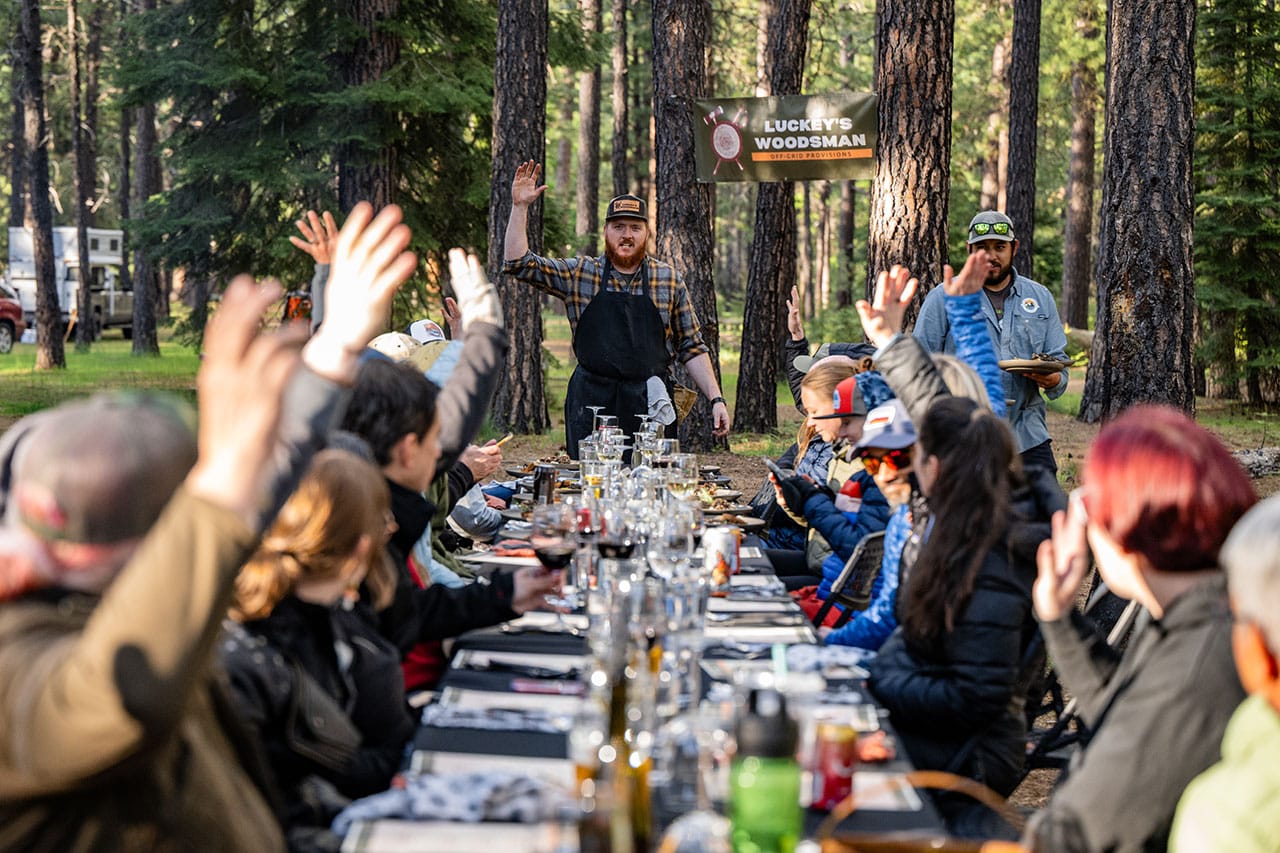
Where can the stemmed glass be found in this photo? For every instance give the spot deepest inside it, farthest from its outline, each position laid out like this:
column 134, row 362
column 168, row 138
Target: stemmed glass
column 595, row 416
column 682, row 475
column 553, row 540
column 670, row 544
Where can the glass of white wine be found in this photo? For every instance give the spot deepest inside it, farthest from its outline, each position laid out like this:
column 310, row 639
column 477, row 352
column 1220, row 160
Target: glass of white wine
column 682, row 475
column 594, row 476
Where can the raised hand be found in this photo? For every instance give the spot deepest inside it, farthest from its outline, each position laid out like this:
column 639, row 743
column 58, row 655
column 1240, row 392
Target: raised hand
column 240, row 386
column 477, row 297
column 794, row 324
column 1062, row 562
column 453, row 317
column 370, row 262
column 531, row 586
column 524, row 186
column 971, row 278
column 319, row 234
column 882, row 317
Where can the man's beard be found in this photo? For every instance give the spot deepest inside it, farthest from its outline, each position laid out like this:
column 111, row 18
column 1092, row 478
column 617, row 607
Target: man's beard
column 611, row 252
column 994, row 277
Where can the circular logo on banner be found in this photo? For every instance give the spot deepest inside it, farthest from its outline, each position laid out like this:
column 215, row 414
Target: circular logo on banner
column 1030, row 305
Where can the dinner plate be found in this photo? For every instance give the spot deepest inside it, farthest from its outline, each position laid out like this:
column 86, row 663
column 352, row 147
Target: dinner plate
column 733, row 508
column 1033, row 365
column 745, row 522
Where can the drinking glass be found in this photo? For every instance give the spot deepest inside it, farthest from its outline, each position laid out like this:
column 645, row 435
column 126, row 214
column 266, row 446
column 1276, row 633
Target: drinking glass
column 670, row 544
column 595, row 416
column 554, row 542
column 682, row 475
column 595, row 476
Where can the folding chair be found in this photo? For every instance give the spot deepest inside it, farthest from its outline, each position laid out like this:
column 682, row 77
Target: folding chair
column 1054, row 746
column 852, row 588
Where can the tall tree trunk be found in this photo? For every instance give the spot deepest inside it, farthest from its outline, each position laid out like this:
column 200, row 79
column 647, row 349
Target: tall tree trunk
column 17, row 145
column 368, row 172
column 912, row 184
column 684, row 233
column 126, row 167
column 771, row 270
column 83, row 170
column 845, row 232
column 49, row 353
column 805, row 257
column 146, row 274
column 825, row 230
column 519, row 134
column 1142, row 344
column 1024, row 100
column 621, row 178
column 561, row 176
column 994, row 160
column 588, row 219
column 1077, row 241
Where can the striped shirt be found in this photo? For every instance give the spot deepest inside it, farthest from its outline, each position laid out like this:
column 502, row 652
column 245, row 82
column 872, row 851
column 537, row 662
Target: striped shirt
column 576, row 281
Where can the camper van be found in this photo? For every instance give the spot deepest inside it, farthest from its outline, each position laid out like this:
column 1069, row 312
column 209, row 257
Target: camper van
column 112, row 307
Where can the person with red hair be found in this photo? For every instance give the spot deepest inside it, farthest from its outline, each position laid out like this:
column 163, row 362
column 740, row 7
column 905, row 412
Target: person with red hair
column 1160, row 495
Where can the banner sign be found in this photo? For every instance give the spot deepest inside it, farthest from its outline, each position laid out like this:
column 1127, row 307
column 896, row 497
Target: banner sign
column 790, row 138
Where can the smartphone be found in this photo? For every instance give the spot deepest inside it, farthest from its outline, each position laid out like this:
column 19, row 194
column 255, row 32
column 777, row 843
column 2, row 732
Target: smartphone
column 777, row 472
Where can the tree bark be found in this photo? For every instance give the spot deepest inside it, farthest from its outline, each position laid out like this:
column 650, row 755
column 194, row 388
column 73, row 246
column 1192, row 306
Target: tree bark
column 519, row 134
column 1077, row 241
column 684, row 236
column 146, row 275
column 365, row 172
column 17, row 145
column 845, row 235
column 805, row 257
column 561, row 176
column 772, row 267
column 911, row 188
column 1142, row 342
column 621, row 178
column 995, row 161
column 49, row 352
column 588, row 219
column 83, row 170
column 126, row 158
column 1024, row 100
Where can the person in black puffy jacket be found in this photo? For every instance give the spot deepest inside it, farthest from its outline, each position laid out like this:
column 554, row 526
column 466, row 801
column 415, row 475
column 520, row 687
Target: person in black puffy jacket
column 953, row 674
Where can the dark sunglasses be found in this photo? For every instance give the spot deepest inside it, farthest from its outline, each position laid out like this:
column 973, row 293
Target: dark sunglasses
column 984, row 228
column 895, row 459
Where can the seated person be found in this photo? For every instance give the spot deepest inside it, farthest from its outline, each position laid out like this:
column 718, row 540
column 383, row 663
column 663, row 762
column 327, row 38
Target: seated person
column 951, row 674
column 1160, row 495
column 313, row 678
column 121, row 539
column 1233, row 805
column 848, row 506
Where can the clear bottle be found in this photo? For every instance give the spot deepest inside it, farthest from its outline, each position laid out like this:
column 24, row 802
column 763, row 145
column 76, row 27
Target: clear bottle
column 764, row 780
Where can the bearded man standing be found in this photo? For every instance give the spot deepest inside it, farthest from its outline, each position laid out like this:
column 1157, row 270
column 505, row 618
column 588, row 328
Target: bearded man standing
column 630, row 315
column 1023, row 322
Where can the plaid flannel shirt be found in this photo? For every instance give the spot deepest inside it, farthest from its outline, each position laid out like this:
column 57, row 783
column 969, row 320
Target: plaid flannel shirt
column 576, row 281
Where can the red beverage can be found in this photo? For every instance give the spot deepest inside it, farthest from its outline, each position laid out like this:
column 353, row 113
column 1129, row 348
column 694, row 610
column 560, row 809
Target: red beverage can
column 835, row 756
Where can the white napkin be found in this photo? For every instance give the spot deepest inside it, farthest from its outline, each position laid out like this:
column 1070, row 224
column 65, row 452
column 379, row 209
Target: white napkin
column 660, row 408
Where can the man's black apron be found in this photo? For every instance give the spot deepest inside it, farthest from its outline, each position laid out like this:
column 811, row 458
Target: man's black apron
column 620, row 342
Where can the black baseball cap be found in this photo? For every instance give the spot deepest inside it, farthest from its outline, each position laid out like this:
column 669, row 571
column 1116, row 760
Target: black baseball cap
column 627, row 207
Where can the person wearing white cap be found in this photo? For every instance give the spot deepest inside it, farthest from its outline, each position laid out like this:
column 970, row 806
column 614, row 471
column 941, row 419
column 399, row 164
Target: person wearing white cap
column 1023, row 322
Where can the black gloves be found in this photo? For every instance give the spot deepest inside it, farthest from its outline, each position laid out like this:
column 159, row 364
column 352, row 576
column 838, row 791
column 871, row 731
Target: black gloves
column 797, row 490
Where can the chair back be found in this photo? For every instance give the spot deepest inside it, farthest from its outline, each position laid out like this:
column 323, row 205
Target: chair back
column 852, row 587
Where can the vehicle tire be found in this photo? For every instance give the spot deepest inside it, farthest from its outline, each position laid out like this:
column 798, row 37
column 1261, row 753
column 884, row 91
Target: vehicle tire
column 6, row 336
column 127, row 331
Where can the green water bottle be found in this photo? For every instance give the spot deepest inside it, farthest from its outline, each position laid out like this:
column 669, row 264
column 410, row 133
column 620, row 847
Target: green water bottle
column 764, row 781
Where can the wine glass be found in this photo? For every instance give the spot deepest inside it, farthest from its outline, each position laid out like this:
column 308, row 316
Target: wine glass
column 682, row 475
column 554, row 543
column 595, row 416
column 594, row 476
column 670, row 543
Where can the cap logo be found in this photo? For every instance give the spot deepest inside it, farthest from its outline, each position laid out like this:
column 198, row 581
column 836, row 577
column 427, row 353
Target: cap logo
column 1030, row 305
column 879, row 419
column 626, row 205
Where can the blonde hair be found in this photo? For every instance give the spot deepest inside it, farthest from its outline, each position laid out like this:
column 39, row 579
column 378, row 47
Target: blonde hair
column 341, row 499
column 821, row 379
column 962, row 380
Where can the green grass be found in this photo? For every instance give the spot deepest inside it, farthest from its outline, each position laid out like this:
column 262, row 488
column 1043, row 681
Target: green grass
column 109, row 365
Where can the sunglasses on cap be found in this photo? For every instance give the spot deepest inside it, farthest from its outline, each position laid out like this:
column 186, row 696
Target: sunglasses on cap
column 895, row 459
column 984, row 228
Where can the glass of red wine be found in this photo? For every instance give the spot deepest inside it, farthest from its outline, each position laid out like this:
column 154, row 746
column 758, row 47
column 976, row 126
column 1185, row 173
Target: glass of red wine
column 554, row 541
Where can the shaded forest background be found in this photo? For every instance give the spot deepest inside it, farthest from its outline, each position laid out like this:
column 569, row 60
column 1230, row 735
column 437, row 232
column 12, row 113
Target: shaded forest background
column 206, row 127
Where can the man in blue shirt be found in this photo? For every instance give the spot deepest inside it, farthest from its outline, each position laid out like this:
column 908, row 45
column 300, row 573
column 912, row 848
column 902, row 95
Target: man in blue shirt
column 1022, row 316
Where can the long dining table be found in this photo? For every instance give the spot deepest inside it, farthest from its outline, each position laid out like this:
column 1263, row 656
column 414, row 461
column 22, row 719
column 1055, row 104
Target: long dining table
column 535, row 663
